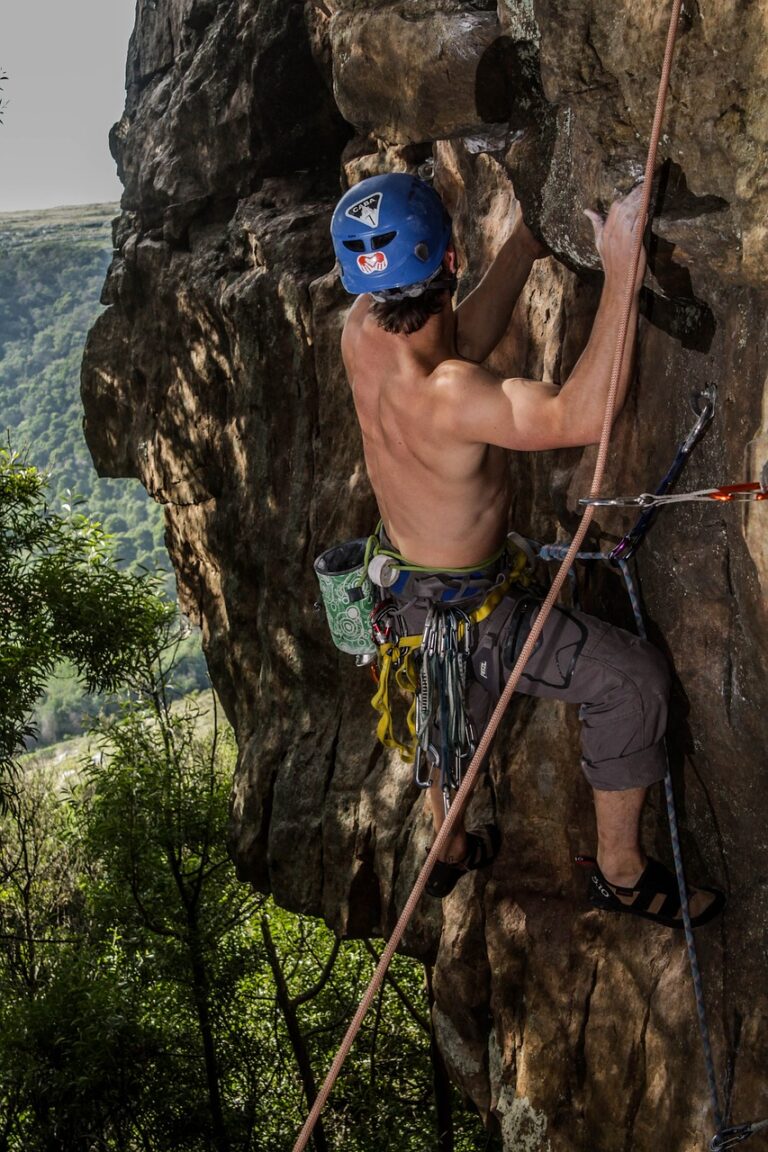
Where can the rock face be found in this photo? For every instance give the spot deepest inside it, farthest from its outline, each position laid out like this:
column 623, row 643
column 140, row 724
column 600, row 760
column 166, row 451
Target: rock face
column 214, row 376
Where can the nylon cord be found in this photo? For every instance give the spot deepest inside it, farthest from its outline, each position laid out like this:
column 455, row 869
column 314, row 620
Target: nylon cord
column 468, row 783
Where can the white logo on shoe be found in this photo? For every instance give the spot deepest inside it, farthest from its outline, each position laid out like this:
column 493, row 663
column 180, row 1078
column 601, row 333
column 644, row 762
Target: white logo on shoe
column 601, row 890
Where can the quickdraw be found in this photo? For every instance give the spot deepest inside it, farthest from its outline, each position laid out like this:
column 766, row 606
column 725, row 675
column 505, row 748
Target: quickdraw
column 726, row 493
column 704, row 406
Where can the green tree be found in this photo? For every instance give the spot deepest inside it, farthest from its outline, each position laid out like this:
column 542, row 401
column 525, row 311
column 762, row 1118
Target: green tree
column 134, row 969
column 157, row 823
column 73, row 1050
column 149, row 1002
column 61, row 598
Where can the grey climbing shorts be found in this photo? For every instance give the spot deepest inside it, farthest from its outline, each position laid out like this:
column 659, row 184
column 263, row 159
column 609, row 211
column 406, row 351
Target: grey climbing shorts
column 619, row 681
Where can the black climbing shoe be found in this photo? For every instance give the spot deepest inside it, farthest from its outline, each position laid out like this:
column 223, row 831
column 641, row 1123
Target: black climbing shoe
column 482, row 849
column 655, row 896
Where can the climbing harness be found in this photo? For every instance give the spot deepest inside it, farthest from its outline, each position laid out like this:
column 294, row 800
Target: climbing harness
column 390, row 570
column 355, row 580
column 432, row 668
column 483, row 746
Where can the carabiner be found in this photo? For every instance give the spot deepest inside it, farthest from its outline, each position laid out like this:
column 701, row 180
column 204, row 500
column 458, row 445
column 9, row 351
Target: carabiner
column 428, row 637
column 729, row 1137
column 422, row 780
column 749, row 491
column 705, row 413
column 464, row 635
column 644, row 500
column 381, row 624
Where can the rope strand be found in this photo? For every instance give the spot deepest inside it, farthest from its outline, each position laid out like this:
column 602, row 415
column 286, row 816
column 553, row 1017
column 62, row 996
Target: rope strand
column 483, row 747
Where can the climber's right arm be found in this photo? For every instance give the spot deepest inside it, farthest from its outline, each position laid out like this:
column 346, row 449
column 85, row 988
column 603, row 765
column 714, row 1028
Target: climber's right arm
column 474, row 406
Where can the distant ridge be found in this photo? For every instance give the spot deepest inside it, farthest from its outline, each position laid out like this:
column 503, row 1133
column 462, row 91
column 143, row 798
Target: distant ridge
column 21, row 228
column 65, row 212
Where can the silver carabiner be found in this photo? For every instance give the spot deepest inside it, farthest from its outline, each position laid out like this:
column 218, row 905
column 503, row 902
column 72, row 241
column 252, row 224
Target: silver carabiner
column 422, row 780
column 729, row 1137
column 705, row 413
column 428, row 636
column 466, row 645
column 640, row 501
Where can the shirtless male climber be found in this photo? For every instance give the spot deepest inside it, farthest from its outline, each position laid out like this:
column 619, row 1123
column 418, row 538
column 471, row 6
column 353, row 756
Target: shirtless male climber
column 437, row 428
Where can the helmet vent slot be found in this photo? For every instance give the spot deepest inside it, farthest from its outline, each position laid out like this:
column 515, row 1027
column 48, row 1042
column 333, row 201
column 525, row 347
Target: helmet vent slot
column 381, row 241
column 354, row 245
column 421, row 251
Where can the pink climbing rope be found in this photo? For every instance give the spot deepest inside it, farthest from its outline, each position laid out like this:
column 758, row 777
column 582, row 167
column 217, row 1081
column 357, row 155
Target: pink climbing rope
column 468, row 783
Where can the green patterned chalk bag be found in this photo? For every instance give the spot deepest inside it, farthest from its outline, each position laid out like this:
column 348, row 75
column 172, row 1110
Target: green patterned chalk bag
column 347, row 595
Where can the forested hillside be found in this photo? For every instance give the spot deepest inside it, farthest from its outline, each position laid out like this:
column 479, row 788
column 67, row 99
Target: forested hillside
column 52, row 267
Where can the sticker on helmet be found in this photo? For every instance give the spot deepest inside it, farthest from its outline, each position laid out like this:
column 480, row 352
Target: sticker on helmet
column 369, row 262
column 366, row 211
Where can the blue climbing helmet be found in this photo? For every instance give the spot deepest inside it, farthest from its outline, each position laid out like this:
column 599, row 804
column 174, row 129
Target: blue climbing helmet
column 390, row 232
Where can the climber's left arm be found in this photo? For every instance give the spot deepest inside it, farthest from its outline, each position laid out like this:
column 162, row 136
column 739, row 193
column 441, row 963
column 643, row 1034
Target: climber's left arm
column 483, row 316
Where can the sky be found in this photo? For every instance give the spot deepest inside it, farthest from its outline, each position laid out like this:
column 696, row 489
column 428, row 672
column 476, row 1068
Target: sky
column 65, row 62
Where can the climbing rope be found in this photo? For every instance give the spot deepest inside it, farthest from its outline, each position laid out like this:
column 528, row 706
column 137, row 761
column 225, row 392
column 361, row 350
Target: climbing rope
column 483, row 747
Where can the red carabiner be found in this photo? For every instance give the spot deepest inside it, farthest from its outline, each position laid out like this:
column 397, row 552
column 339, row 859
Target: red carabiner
column 731, row 491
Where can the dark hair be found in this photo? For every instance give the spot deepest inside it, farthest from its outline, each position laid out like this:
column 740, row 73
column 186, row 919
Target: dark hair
column 404, row 317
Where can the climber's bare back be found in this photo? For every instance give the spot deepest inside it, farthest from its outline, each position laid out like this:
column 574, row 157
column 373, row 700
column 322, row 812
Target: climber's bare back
column 443, row 499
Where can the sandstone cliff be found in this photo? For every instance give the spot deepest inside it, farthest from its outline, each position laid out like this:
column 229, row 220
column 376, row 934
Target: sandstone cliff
column 214, row 376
